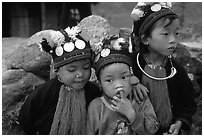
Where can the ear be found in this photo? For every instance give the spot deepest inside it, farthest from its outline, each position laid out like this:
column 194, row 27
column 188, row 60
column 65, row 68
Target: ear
column 145, row 40
column 57, row 71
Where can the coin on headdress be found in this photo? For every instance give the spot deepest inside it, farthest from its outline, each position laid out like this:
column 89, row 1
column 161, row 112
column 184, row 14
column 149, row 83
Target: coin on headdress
column 69, row 46
column 80, row 44
column 59, row 51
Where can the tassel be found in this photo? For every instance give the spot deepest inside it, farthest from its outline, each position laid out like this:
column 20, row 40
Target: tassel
column 134, row 80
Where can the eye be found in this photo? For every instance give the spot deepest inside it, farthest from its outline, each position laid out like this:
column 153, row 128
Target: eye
column 71, row 69
column 178, row 34
column 165, row 34
column 108, row 80
column 125, row 76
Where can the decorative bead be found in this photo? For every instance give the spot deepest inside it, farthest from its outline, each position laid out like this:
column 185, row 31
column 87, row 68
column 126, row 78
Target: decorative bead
column 97, row 58
column 51, row 51
column 68, row 47
column 134, row 80
column 59, row 51
column 156, row 7
column 80, row 44
column 105, row 52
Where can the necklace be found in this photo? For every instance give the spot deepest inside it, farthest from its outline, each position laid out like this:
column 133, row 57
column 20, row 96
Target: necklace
column 173, row 70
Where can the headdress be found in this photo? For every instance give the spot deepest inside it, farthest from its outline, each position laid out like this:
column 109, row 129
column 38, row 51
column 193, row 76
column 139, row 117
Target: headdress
column 111, row 50
column 66, row 46
column 145, row 14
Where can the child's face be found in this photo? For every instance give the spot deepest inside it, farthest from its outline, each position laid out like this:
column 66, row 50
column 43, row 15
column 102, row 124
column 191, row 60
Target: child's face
column 164, row 38
column 75, row 74
column 115, row 78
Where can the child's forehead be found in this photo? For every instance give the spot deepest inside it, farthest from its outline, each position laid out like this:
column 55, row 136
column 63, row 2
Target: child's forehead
column 167, row 23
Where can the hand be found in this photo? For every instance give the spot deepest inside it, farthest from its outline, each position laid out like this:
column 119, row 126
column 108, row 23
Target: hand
column 123, row 106
column 174, row 128
column 140, row 92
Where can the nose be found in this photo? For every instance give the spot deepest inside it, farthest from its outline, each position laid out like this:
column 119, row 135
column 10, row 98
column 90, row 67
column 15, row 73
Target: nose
column 79, row 74
column 172, row 39
column 118, row 85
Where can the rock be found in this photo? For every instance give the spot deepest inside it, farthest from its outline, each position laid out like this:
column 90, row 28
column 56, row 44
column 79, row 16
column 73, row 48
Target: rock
column 28, row 58
column 94, row 28
column 24, row 68
column 16, row 85
column 192, row 63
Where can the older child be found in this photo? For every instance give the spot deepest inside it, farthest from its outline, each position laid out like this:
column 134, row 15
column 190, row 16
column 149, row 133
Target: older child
column 156, row 32
column 117, row 112
column 59, row 105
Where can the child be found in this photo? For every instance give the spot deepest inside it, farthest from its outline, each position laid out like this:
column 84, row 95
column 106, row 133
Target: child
column 116, row 112
column 59, row 105
column 156, row 32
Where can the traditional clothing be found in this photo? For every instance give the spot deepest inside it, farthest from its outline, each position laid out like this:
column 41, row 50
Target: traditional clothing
column 172, row 99
column 102, row 120
column 37, row 113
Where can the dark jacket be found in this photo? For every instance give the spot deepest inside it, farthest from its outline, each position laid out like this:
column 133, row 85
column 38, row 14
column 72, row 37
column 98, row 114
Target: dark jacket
column 37, row 113
column 181, row 92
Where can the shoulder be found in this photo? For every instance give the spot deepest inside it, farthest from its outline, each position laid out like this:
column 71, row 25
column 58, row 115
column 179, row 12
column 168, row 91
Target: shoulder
column 91, row 86
column 95, row 105
column 91, row 92
column 97, row 102
column 48, row 89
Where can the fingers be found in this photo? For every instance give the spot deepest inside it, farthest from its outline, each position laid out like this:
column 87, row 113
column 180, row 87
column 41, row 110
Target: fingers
column 135, row 96
column 122, row 95
column 173, row 129
column 144, row 93
column 140, row 95
column 116, row 99
column 114, row 102
column 114, row 107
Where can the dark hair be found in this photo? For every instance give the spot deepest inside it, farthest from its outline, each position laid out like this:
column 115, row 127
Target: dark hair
column 137, row 42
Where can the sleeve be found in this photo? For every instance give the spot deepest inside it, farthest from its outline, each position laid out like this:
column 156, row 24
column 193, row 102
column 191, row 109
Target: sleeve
column 28, row 113
column 145, row 121
column 184, row 105
column 93, row 119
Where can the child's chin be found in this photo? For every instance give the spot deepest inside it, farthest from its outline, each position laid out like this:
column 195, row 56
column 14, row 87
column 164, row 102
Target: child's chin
column 78, row 86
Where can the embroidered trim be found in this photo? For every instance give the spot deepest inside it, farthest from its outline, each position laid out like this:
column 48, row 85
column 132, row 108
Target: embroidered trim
column 106, row 103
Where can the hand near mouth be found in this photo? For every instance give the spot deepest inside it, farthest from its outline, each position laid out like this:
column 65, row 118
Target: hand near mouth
column 123, row 106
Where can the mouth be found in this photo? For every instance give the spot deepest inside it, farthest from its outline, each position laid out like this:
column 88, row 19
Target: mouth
column 79, row 82
column 118, row 93
column 172, row 48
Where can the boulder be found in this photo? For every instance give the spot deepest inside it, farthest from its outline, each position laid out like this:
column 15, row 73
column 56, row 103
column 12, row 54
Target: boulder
column 24, row 66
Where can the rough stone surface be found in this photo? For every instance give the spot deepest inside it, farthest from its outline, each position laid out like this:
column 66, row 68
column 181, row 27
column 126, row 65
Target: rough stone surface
column 94, row 27
column 23, row 68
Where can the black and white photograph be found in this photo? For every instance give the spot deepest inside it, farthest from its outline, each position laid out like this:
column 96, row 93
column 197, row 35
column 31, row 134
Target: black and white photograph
column 101, row 68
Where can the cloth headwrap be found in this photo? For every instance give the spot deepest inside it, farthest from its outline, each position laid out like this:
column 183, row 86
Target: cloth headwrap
column 145, row 14
column 70, row 114
column 151, row 19
column 111, row 50
column 66, row 46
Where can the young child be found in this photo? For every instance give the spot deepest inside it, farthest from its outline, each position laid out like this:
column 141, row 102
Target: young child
column 117, row 112
column 59, row 105
column 156, row 32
